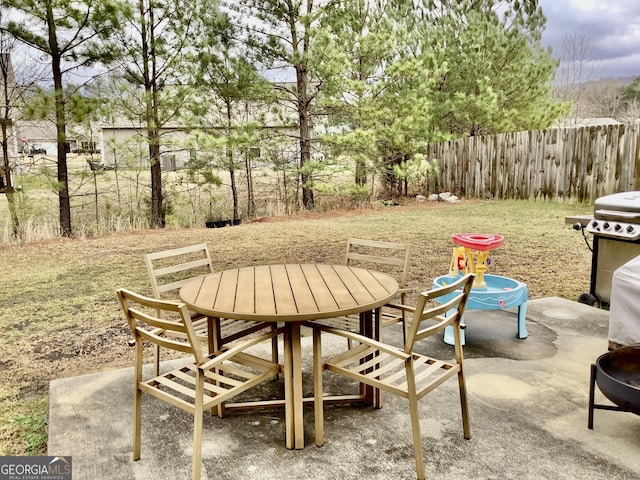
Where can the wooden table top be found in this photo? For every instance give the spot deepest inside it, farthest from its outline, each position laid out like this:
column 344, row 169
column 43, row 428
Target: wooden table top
column 291, row 292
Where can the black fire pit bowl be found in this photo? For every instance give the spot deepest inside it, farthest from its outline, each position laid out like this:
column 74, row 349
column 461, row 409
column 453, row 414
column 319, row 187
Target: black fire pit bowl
column 617, row 374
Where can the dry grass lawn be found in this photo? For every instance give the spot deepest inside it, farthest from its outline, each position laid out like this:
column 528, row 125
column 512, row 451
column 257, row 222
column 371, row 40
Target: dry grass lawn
column 60, row 316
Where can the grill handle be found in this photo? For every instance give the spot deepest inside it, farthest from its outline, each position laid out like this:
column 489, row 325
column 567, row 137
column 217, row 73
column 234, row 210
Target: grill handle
column 618, row 216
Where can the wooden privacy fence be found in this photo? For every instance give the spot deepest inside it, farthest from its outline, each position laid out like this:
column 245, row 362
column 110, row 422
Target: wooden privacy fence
column 579, row 164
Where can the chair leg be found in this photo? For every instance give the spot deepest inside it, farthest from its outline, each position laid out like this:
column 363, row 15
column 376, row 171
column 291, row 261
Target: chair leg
column 466, row 428
column 415, row 422
column 274, row 349
column 197, row 446
column 403, row 322
column 288, row 390
column 156, row 360
column 377, row 334
column 214, row 340
column 137, row 401
column 377, row 401
column 317, row 387
column 197, row 427
column 137, row 422
column 220, row 408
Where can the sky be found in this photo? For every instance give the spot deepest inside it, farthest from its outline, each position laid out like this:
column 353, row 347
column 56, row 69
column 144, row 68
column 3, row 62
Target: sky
column 612, row 28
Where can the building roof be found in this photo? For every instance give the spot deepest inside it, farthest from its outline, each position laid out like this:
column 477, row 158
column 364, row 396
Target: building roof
column 36, row 130
column 586, row 122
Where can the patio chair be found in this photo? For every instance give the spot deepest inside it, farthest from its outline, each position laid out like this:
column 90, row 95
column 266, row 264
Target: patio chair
column 401, row 371
column 170, row 269
column 194, row 387
column 388, row 257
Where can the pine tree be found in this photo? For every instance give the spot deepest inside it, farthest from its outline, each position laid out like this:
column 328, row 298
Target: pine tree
column 150, row 50
column 69, row 35
column 498, row 76
column 284, row 35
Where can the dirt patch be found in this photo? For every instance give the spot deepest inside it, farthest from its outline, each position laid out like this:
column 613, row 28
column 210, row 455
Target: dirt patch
column 20, row 326
column 71, row 343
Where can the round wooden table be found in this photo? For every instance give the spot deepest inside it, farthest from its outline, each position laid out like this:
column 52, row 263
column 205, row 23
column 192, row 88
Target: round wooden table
column 291, row 294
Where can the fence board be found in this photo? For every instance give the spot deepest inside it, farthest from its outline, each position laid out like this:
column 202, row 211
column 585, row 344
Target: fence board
column 557, row 164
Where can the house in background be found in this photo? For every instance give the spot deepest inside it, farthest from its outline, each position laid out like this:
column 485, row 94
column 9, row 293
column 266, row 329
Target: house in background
column 42, row 134
column 586, row 122
column 124, row 142
column 29, row 137
column 38, row 133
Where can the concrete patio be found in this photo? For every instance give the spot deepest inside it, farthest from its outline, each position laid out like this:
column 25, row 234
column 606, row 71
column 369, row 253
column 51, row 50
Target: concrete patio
column 528, row 405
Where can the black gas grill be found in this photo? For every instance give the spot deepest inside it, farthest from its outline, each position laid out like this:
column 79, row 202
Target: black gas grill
column 615, row 226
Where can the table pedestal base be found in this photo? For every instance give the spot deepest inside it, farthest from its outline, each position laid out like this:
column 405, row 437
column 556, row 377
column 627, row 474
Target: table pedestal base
column 294, row 397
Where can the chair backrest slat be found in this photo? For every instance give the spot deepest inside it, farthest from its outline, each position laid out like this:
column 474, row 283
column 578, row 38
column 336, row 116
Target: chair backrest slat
column 170, row 269
column 368, row 253
column 442, row 322
column 147, row 319
column 452, row 300
column 164, row 342
column 155, row 322
column 158, row 272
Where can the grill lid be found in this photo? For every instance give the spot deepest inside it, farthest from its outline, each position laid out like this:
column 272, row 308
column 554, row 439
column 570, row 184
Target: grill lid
column 628, row 202
column 617, row 216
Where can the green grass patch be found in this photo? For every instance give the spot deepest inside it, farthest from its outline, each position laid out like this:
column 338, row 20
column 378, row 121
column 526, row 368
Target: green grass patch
column 30, row 427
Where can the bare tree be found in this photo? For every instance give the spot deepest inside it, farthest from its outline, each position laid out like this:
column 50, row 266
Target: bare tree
column 8, row 84
column 575, row 70
column 602, row 98
column 11, row 92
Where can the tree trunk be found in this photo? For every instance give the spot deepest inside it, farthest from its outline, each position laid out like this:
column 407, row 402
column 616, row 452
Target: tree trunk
column 305, row 137
column 232, row 178
column 95, row 198
column 230, row 163
column 251, row 203
column 63, row 181
column 234, row 193
column 361, row 172
column 5, row 168
column 157, row 212
column 8, row 182
column 151, row 113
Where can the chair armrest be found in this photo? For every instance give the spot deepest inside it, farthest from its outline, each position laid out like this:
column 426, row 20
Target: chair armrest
column 390, row 349
column 442, row 323
column 227, row 354
column 400, row 306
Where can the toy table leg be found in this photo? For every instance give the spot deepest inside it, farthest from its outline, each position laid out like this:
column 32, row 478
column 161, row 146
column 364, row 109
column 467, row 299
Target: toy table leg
column 449, row 338
column 522, row 316
column 522, row 328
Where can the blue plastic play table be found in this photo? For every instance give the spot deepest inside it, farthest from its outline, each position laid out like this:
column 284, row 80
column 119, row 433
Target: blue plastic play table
column 500, row 293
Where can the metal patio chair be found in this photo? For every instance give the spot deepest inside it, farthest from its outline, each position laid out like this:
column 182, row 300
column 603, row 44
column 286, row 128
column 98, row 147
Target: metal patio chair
column 401, row 371
column 388, row 257
column 195, row 387
column 169, row 270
